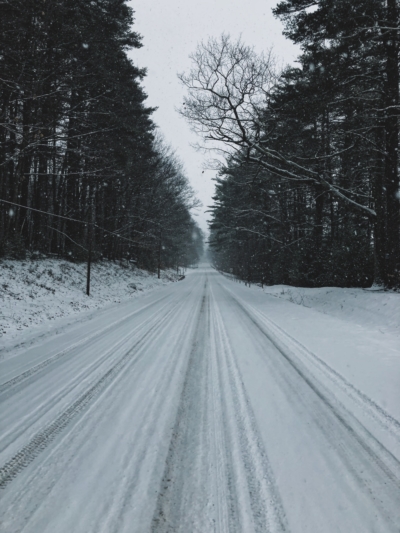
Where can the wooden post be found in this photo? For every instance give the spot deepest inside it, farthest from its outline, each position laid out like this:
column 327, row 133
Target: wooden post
column 159, row 256
column 90, row 237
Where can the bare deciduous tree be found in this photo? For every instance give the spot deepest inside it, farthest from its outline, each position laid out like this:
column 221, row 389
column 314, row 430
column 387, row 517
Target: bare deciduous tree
column 228, row 89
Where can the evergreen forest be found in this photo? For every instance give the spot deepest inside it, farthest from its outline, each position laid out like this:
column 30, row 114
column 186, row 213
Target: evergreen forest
column 82, row 166
column 308, row 191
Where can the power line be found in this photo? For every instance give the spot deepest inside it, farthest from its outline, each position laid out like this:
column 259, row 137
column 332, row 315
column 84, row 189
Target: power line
column 43, row 212
column 75, row 220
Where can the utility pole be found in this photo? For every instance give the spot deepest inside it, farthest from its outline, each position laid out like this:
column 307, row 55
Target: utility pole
column 90, row 239
column 89, row 265
column 159, row 256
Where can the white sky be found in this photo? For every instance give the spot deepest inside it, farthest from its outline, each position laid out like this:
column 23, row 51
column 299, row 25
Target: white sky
column 171, row 30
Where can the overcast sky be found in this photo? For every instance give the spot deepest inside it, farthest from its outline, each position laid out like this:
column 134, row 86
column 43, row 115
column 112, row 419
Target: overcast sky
column 171, row 30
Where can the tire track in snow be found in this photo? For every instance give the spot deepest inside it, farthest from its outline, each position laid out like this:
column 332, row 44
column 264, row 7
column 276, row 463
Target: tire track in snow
column 156, row 408
column 11, row 383
column 372, row 466
column 279, row 336
column 171, row 513
column 217, row 476
column 26, row 422
column 290, row 346
column 44, row 437
column 33, row 416
column 263, row 495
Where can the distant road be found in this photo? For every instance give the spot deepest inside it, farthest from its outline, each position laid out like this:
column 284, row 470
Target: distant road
column 192, row 410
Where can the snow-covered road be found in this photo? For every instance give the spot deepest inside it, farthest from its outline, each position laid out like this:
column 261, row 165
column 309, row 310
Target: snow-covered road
column 202, row 407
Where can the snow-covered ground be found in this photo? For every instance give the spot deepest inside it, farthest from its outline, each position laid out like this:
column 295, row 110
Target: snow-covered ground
column 365, row 307
column 36, row 294
column 205, row 406
column 371, row 308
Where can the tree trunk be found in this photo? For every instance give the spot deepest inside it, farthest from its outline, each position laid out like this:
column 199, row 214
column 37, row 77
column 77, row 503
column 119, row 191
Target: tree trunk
column 391, row 151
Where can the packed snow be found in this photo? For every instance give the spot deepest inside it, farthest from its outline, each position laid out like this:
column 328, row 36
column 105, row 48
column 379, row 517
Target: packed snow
column 206, row 405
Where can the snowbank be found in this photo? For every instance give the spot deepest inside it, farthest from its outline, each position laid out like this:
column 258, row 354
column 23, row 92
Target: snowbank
column 40, row 292
column 372, row 308
column 364, row 307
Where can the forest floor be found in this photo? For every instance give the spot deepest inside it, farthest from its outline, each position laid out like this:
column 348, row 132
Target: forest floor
column 39, row 295
column 205, row 406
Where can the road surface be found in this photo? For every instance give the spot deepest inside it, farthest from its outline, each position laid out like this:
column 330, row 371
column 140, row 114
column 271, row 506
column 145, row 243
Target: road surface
column 191, row 410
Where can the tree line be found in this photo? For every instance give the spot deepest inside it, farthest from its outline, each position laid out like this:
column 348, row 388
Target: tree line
column 81, row 163
column 308, row 191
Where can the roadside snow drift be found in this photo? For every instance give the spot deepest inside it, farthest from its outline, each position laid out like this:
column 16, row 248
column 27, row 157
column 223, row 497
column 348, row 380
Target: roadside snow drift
column 366, row 307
